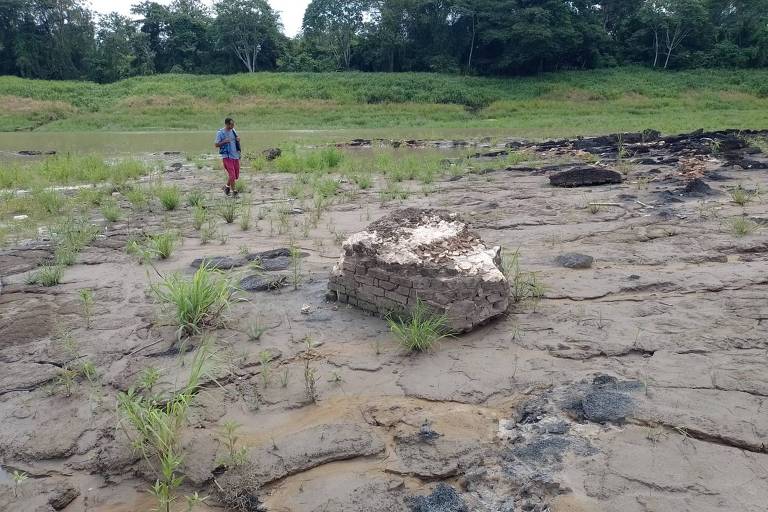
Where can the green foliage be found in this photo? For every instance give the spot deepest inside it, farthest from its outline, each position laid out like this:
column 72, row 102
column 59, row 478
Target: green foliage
column 162, row 245
column 195, row 198
column 523, row 286
column 154, row 427
column 420, row 329
column 199, row 216
column 86, row 300
column 742, row 196
column 228, row 210
column 197, row 302
column 111, row 211
column 48, row 275
column 742, row 226
column 169, row 196
column 228, row 437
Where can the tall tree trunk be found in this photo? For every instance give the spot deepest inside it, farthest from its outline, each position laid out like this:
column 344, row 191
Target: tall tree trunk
column 471, row 46
column 655, row 47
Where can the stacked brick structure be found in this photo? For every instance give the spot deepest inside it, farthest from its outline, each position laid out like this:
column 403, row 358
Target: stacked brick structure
column 428, row 255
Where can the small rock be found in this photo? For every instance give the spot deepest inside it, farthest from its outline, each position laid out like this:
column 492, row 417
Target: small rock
column 219, row 262
column 306, row 309
column 697, row 187
column 62, row 497
column 257, row 283
column 574, row 260
column 20, row 217
column 272, row 153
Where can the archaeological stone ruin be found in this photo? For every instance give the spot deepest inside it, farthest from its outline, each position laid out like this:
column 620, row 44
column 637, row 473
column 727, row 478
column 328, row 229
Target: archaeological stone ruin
column 428, row 255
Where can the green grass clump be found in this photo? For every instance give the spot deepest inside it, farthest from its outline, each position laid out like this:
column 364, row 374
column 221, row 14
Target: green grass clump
column 197, row 302
column 199, row 216
column 228, row 210
column 196, row 198
column 137, row 196
column 742, row 226
column 111, row 211
column 170, row 197
column 742, row 196
column 421, row 329
column 155, row 428
column 47, row 275
column 162, row 245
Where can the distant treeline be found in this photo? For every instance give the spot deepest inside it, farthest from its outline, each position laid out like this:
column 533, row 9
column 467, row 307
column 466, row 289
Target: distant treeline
column 62, row 39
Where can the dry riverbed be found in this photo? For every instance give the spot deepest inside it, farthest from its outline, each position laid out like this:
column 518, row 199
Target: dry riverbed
column 635, row 384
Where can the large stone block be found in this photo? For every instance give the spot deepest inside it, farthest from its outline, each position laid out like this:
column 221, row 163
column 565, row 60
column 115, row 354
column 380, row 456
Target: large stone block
column 426, row 254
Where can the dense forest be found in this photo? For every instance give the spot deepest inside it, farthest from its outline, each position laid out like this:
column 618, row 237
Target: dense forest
column 63, row 39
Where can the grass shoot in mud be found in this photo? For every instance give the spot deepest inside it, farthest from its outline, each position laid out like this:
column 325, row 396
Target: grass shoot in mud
column 742, row 226
column 742, row 196
column 169, row 196
column 420, row 329
column 196, row 302
column 524, row 287
column 228, row 209
column 154, row 428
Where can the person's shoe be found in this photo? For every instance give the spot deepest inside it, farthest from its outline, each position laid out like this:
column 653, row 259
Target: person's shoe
column 235, row 193
column 226, row 190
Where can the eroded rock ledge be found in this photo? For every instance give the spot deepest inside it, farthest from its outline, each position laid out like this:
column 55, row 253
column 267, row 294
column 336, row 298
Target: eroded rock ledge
column 429, row 255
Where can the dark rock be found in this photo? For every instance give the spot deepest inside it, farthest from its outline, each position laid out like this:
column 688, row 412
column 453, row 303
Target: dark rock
column 544, row 449
column 604, row 380
column 585, row 176
column 746, row 163
column 697, row 187
column 34, row 152
column 606, row 406
column 175, row 166
column 219, row 262
column 443, row 499
column 272, row 153
column 62, row 497
column 279, row 263
column 258, row 283
column 272, row 253
column 574, row 260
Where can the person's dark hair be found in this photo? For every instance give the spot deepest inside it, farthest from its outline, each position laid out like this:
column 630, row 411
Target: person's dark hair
column 229, row 120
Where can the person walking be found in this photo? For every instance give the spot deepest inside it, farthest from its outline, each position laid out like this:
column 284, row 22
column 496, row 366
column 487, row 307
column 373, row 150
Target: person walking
column 229, row 148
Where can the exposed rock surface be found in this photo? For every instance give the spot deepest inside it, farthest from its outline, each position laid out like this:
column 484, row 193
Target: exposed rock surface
column 427, row 255
column 584, row 176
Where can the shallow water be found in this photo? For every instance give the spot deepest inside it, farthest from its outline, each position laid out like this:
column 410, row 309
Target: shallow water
column 202, row 141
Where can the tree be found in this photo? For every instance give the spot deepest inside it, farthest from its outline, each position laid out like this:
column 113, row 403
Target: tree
column 333, row 25
column 247, row 28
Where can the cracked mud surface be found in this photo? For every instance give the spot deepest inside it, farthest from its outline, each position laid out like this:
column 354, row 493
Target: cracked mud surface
column 638, row 384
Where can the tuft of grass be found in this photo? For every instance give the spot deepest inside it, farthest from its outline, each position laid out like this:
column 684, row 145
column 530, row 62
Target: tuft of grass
column 86, row 300
column 421, row 329
column 742, row 226
column 111, row 211
column 48, row 275
column 742, row 196
column 197, row 302
column 523, row 286
column 170, row 197
column 195, row 198
column 246, row 215
column 162, row 245
column 228, row 209
column 155, row 428
column 199, row 216
column 255, row 330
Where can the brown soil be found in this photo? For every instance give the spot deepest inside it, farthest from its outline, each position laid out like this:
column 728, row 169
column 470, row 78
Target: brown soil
column 638, row 384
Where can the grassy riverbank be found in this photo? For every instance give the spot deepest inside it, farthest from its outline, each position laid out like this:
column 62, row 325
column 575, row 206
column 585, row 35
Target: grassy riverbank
column 568, row 103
